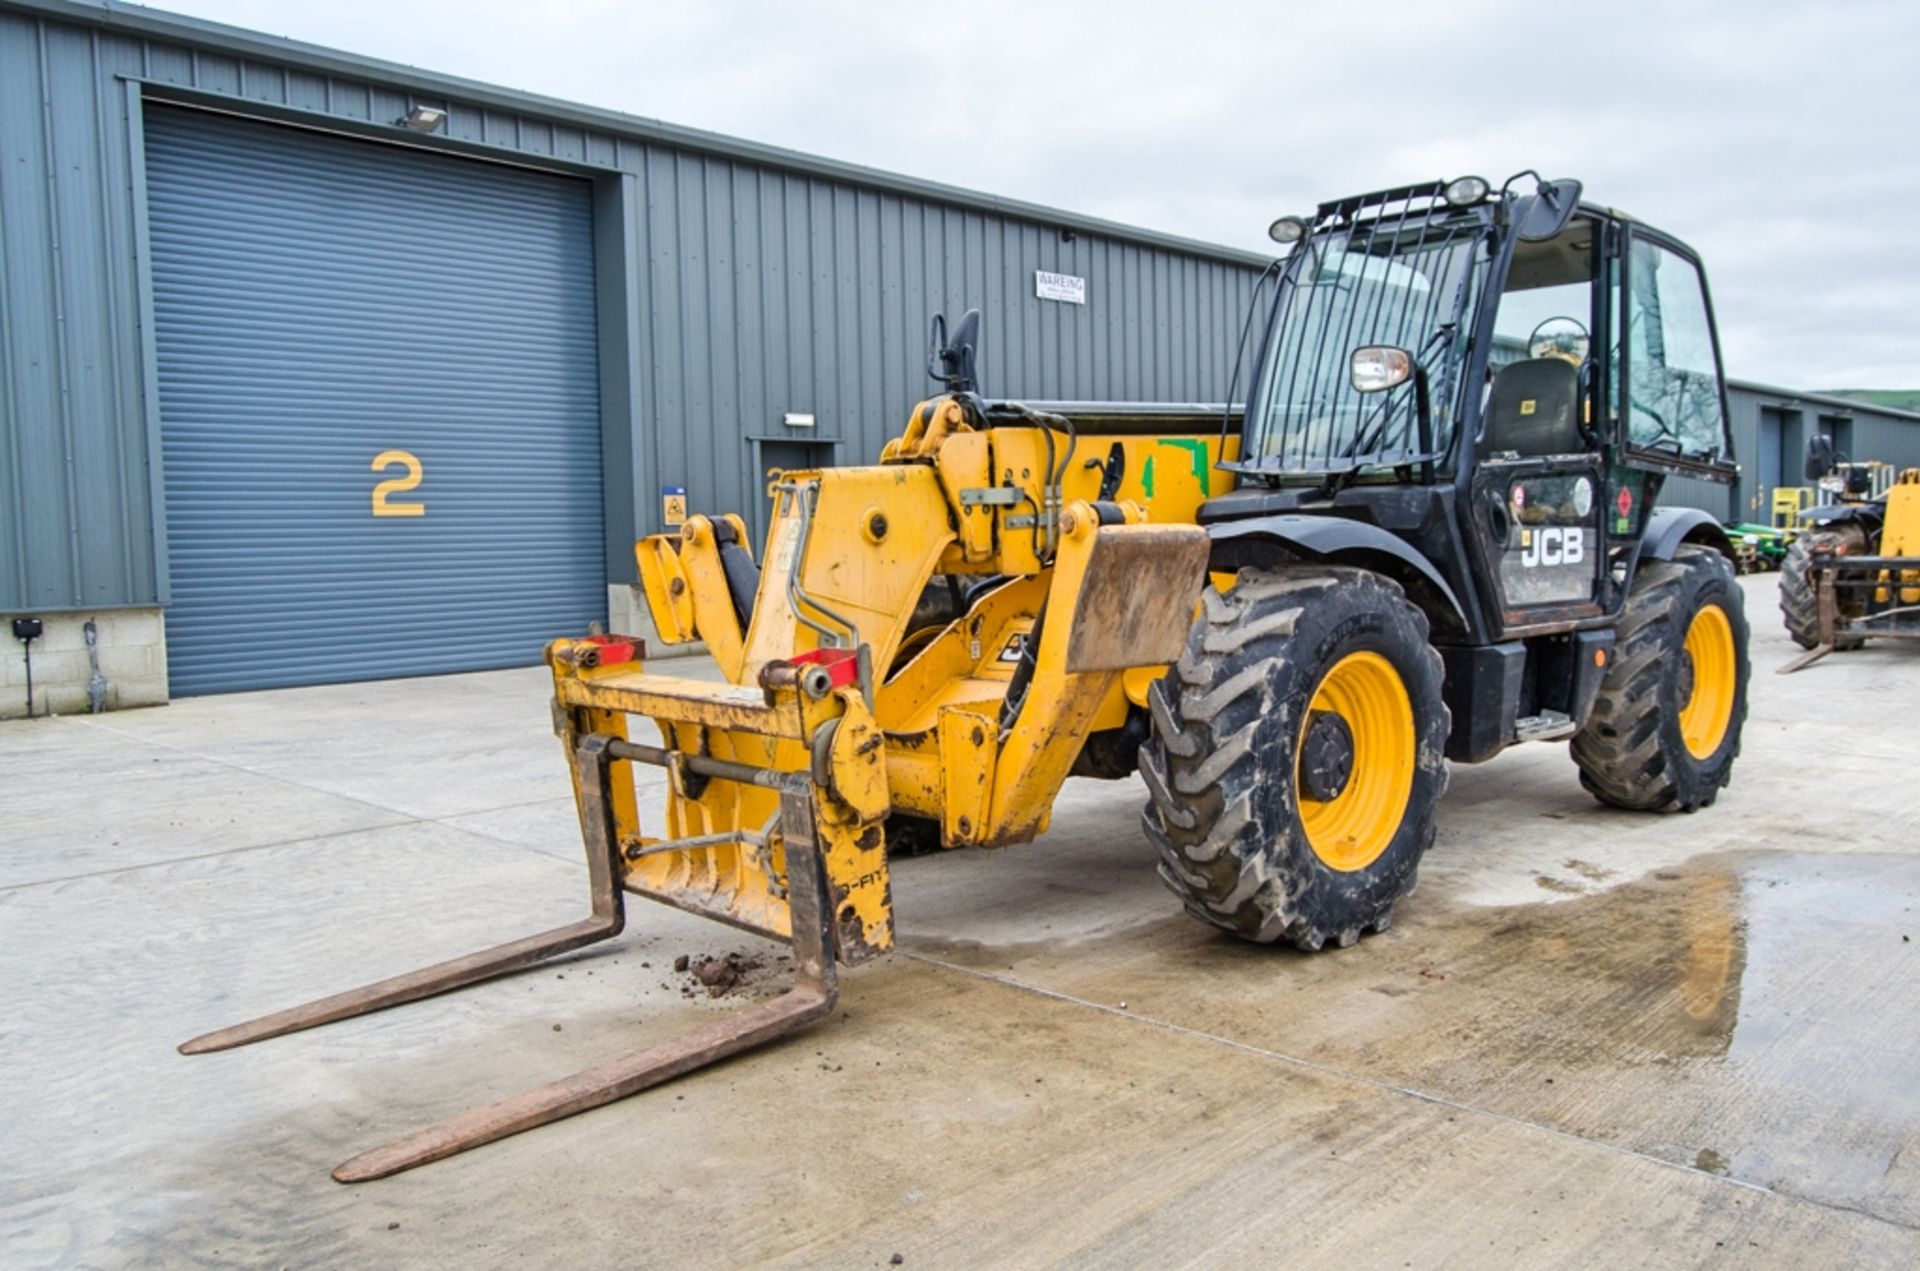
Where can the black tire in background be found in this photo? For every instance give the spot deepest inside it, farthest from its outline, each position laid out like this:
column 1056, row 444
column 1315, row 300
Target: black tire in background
column 1633, row 751
column 1799, row 601
column 1114, row 753
column 1222, row 766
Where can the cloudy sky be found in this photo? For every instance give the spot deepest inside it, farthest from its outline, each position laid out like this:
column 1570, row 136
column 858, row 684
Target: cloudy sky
column 1779, row 139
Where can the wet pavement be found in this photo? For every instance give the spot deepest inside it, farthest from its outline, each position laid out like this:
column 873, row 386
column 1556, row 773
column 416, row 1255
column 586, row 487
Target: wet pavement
column 1590, row 1036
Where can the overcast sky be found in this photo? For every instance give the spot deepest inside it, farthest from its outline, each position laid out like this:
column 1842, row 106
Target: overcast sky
column 1780, row 140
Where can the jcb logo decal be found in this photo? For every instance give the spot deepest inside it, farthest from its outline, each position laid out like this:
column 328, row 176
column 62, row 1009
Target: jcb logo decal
column 1553, row 546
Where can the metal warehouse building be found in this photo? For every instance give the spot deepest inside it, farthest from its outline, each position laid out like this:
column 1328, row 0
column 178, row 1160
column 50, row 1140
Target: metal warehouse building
column 1770, row 431
column 314, row 368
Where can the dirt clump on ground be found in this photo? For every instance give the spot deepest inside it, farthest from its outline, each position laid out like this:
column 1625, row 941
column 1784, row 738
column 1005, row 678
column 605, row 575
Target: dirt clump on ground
column 718, row 976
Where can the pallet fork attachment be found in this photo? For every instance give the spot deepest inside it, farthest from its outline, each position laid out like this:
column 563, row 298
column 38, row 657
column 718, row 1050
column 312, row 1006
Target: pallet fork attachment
column 811, row 998
column 1889, row 576
column 782, row 778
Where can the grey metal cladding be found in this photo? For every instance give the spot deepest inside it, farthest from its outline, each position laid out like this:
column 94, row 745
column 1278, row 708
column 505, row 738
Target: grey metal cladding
column 1871, row 432
column 769, row 292
column 75, row 511
column 1708, row 496
column 325, row 307
column 766, row 281
column 762, row 281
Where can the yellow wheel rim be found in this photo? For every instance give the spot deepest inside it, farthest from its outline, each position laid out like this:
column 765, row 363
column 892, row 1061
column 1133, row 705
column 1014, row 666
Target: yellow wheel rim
column 1349, row 831
column 1709, row 707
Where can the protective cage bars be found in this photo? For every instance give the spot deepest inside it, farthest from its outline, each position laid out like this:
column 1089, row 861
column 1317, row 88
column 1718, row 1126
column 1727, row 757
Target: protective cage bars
column 1305, row 377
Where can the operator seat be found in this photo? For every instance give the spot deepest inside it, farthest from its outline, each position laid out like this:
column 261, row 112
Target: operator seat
column 1533, row 409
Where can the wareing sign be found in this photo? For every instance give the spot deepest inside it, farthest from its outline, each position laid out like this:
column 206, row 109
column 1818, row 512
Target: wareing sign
column 1064, row 287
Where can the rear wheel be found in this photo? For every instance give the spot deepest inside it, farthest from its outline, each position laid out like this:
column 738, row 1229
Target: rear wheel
column 1295, row 758
column 1799, row 599
column 1665, row 728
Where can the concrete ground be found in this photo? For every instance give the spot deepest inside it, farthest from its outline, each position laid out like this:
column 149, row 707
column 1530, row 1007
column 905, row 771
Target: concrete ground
column 1591, row 1037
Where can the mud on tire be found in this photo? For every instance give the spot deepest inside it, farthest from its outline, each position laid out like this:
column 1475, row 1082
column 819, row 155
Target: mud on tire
column 1799, row 601
column 1221, row 764
column 1632, row 753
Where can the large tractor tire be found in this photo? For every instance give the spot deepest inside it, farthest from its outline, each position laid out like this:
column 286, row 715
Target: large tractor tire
column 1799, row 599
column 1296, row 756
column 1665, row 727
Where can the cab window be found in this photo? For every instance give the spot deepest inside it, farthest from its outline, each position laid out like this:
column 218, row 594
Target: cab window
column 1547, row 304
column 1673, row 375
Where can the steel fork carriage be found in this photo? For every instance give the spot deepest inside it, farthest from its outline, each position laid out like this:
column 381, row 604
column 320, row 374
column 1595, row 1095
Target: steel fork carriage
column 811, row 998
column 1862, row 578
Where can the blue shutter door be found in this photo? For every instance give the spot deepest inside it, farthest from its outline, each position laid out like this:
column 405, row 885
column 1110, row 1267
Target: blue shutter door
column 320, row 302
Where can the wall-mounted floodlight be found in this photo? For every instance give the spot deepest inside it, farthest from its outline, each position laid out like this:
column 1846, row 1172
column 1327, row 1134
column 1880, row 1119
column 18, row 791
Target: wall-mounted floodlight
column 423, row 119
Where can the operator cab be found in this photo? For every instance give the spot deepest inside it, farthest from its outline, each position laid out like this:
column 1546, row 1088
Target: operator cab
column 1500, row 379
column 1561, row 486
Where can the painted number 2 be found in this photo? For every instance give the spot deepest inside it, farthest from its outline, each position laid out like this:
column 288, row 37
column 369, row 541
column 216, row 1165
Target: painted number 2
column 396, row 485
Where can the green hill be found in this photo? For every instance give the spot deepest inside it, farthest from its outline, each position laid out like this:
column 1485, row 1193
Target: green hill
column 1898, row 398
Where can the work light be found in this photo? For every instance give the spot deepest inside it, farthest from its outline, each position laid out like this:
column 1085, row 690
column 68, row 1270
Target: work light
column 1287, row 230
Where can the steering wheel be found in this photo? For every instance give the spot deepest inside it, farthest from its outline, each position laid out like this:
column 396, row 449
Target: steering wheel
column 1564, row 338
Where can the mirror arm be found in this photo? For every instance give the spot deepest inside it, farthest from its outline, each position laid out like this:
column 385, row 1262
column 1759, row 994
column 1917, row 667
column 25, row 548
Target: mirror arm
column 1423, row 407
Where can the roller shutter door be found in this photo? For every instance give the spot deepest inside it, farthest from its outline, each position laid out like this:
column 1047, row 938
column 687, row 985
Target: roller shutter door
column 332, row 315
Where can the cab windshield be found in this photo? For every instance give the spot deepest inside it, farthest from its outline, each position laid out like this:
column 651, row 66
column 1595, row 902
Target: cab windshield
column 1400, row 281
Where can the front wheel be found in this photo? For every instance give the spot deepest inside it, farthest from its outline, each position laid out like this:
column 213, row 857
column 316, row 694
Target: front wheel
column 1665, row 727
column 1799, row 595
column 1296, row 756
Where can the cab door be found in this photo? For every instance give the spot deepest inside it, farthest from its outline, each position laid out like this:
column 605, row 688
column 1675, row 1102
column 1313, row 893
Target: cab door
column 1540, row 488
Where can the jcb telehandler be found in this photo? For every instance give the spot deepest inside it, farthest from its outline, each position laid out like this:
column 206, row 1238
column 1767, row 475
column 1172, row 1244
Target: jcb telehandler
column 1430, row 534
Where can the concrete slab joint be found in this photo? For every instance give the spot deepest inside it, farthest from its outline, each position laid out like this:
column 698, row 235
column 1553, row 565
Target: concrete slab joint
column 131, row 645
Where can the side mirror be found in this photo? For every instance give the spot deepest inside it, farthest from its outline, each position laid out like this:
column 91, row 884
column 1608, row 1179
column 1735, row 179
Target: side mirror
column 1545, row 212
column 1375, row 368
column 954, row 362
column 1819, row 456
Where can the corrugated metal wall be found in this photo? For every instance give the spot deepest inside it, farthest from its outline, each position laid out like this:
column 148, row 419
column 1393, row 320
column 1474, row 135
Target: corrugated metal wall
column 1708, row 496
column 1888, row 436
column 737, row 282
column 1867, row 433
column 768, row 293
column 747, row 282
column 76, row 500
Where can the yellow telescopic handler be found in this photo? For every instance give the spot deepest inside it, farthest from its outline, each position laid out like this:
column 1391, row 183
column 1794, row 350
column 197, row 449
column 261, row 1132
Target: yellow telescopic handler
column 1431, row 534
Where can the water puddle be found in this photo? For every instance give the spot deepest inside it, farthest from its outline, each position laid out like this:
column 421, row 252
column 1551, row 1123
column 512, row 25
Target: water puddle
column 1750, row 1014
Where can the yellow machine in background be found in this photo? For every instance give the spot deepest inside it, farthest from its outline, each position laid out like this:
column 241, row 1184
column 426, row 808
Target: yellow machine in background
column 1853, row 573
column 1789, row 501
